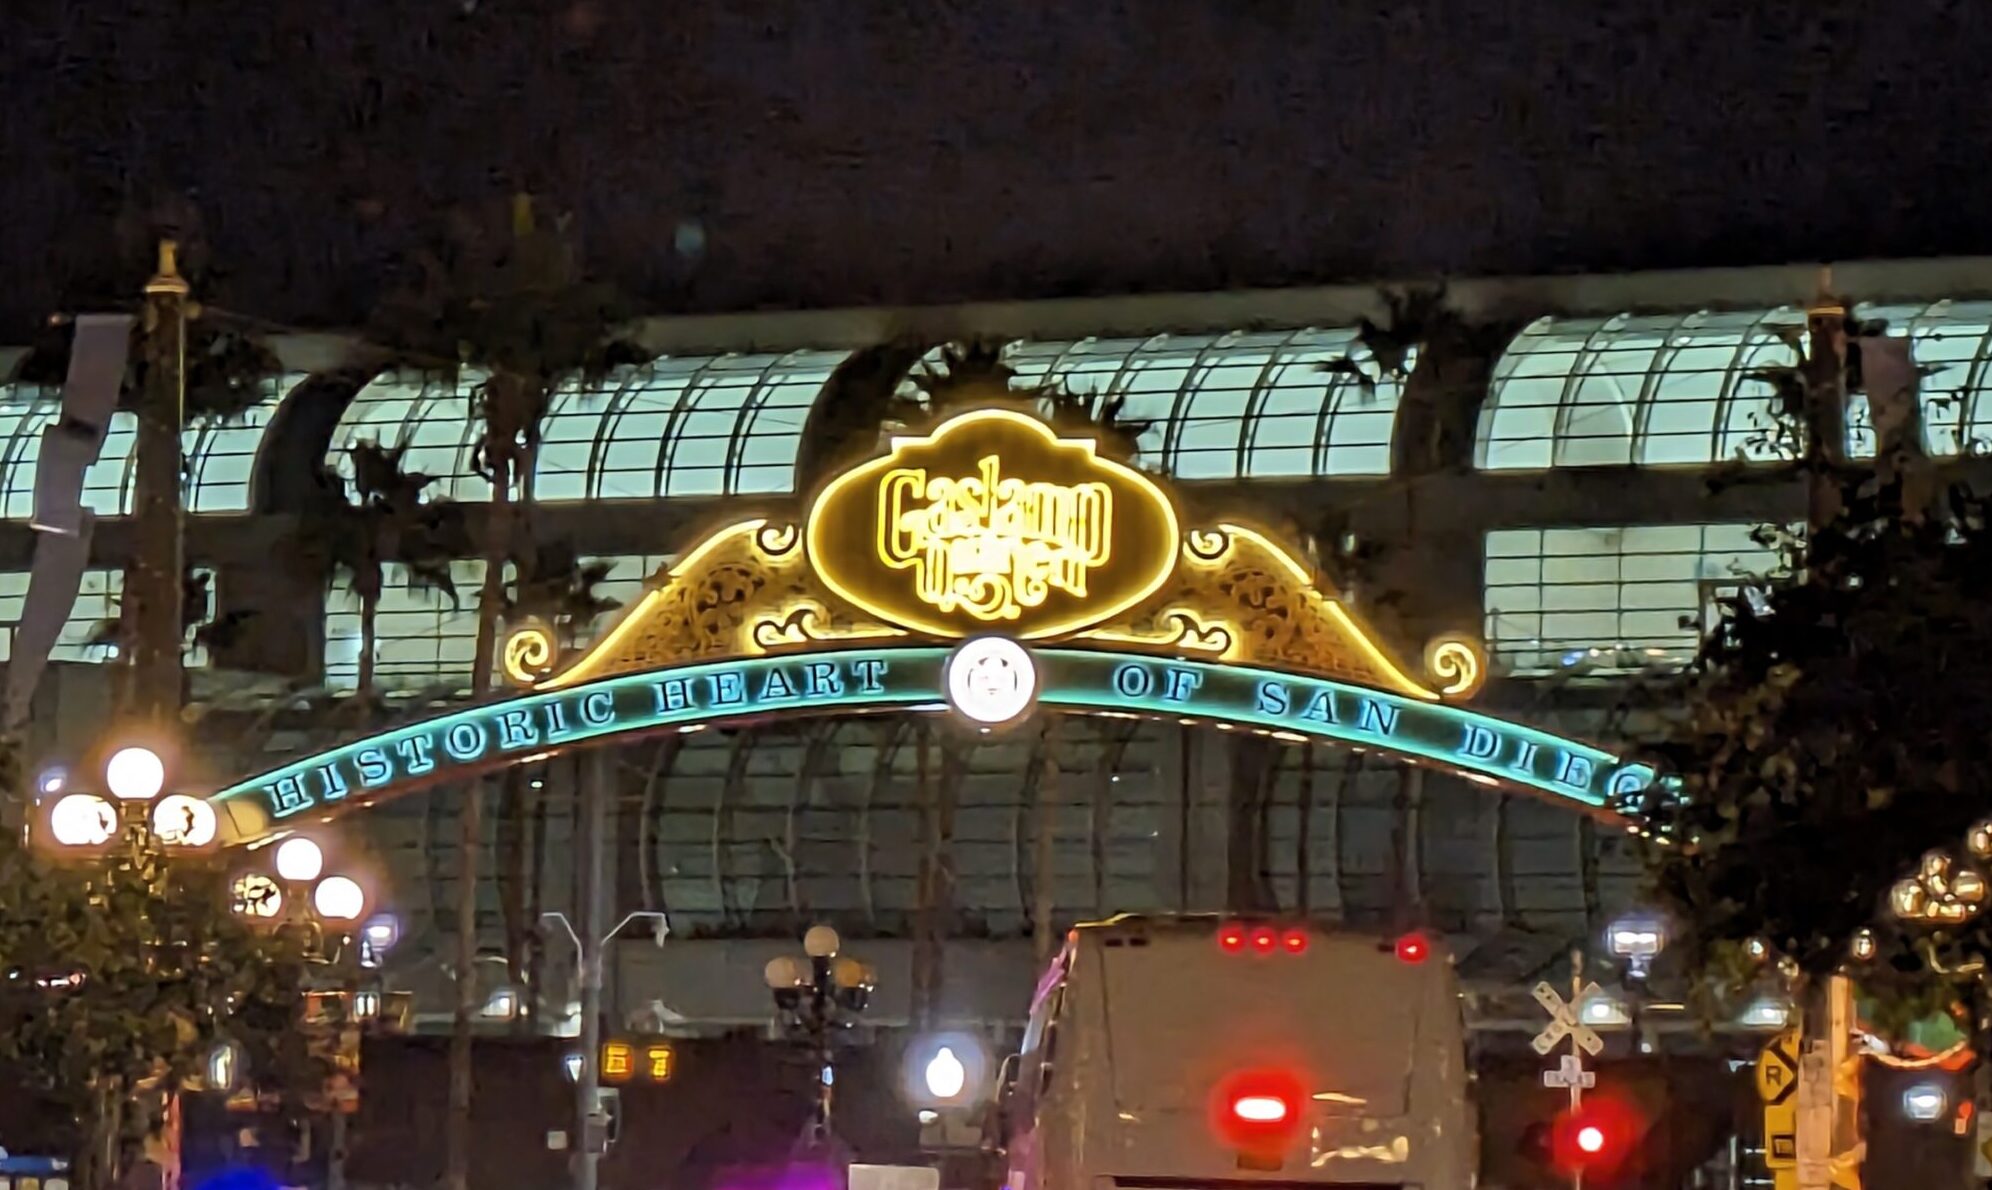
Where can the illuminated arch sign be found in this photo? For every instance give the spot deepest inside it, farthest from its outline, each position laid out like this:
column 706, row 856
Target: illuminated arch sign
column 858, row 679
column 988, row 564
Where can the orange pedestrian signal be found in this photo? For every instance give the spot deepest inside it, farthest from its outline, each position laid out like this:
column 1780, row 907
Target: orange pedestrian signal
column 658, row 1061
column 618, row 1061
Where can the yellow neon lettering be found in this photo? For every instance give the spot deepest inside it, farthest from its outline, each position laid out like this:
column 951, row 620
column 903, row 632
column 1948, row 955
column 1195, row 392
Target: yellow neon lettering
column 988, row 544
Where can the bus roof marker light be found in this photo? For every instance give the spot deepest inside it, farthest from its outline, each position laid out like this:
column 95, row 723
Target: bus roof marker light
column 1295, row 941
column 1264, row 940
column 1231, row 939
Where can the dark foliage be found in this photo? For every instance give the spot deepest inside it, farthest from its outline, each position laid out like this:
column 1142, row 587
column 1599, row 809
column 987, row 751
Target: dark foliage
column 1835, row 733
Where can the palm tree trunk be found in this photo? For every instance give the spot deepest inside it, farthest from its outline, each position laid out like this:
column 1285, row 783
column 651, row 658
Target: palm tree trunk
column 470, row 840
column 1044, row 882
column 369, row 614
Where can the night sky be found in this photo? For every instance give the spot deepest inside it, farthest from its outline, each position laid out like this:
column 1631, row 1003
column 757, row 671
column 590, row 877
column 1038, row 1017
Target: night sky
column 728, row 155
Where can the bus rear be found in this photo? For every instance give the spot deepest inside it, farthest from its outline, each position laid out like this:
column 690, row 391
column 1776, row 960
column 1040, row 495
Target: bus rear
column 1175, row 1053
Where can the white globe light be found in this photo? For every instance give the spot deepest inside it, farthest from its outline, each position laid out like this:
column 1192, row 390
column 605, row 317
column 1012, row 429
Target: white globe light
column 339, row 898
column 256, row 895
column 783, row 972
column 991, row 680
column 183, row 821
column 135, row 774
column 82, row 820
column 821, row 942
column 946, row 1076
column 299, row 859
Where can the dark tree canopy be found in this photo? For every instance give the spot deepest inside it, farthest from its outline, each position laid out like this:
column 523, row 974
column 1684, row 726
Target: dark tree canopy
column 1834, row 732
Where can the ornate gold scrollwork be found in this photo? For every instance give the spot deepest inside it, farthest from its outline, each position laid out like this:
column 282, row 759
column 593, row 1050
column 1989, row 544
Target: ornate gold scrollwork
column 530, row 652
column 1456, row 665
column 1235, row 582
column 746, row 589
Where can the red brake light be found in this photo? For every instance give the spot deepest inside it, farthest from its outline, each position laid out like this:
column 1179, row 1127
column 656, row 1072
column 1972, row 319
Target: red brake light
column 1412, row 948
column 1264, row 940
column 1231, row 938
column 1295, row 941
column 1260, row 1109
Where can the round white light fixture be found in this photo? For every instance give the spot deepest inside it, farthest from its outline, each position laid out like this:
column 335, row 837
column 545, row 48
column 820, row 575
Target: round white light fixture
column 135, row 774
column 991, row 680
column 256, row 895
column 82, row 820
column 946, row 1076
column 183, row 821
column 52, row 780
column 821, row 942
column 339, row 898
column 945, row 1070
column 299, row 859
column 783, row 972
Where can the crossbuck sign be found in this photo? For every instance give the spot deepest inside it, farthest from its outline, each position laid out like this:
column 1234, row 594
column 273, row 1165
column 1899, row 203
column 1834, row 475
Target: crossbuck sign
column 1564, row 1022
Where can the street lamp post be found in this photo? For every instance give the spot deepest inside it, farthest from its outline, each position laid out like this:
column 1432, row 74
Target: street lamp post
column 814, row 998
column 591, row 1121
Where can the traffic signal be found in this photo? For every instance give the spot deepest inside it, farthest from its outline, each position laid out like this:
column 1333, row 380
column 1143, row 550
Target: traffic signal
column 1596, row 1139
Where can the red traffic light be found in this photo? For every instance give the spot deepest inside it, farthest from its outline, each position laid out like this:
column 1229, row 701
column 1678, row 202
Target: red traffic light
column 1596, row 1137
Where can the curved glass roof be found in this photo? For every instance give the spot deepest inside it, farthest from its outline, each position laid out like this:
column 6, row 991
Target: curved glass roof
column 1239, row 405
column 723, row 425
column 1643, row 390
column 1953, row 341
column 221, row 457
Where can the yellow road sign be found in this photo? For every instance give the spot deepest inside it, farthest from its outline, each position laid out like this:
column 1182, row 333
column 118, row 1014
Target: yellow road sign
column 1777, row 1069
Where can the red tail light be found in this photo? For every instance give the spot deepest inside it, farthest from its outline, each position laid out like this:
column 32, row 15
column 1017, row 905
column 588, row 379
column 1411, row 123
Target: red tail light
column 1231, row 939
column 1264, row 940
column 1412, row 948
column 1295, row 941
column 1260, row 1109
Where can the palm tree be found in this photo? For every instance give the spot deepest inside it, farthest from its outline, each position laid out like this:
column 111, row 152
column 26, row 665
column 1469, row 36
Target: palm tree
column 512, row 305
column 383, row 520
column 555, row 585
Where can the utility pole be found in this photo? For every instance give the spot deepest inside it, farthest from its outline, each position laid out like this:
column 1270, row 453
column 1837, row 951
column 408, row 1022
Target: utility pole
column 155, row 574
column 595, row 772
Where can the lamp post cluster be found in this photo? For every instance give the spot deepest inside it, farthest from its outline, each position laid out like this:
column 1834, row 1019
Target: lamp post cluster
column 817, row 996
column 134, row 779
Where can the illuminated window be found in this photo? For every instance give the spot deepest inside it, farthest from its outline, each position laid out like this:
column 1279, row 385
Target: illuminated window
column 422, row 640
column 429, row 414
column 678, row 426
column 1636, row 390
column 96, row 607
column 1954, row 341
column 220, row 457
column 1611, row 600
column 1238, row 405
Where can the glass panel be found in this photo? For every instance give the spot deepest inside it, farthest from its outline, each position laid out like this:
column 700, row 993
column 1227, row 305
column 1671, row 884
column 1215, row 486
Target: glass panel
column 421, row 639
column 1655, row 390
column 1278, row 390
column 1611, row 600
column 428, row 414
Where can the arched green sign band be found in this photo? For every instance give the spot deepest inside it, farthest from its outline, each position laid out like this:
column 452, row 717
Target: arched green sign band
column 477, row 739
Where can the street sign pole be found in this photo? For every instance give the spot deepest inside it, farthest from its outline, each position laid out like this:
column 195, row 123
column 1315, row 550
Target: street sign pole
column 1565, row 1020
